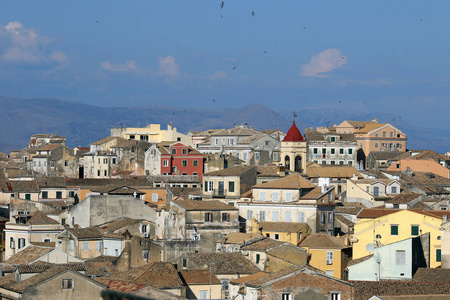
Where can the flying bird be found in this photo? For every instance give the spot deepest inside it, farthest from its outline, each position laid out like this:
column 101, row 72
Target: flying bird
column 265, row 51
column 214, row 100
column 234, row 68
column 253, row 13
column 304, row 27
column 221, row 4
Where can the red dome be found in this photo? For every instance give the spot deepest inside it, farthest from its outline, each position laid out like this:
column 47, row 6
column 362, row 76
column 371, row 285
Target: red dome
column 293, row 135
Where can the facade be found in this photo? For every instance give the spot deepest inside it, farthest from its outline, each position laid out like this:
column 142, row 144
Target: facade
column 289, row 232
column 152, row 133
column 430, row 166
column 294, row 150
column 202, row 284
column 372, row 192
column 54, row 160
column 173, row 159
column 228, row 185
column 379, row 227
column 395, row 261
column 328, row 253
column 331, row 148
column 39, row 140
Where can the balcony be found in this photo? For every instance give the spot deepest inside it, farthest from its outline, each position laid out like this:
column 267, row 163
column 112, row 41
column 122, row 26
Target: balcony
column 219, row 193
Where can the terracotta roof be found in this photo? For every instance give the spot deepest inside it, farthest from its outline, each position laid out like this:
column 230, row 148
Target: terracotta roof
column 366, row 289
column 223, row 263
column 204, row 205
column 344, row 220
column 432, row 275
column 29, row 254
column 234, row 171
column 248, row 278
column 322, row 240
column 239, row 237
column 120, row 286
column 313, row 195
column 47, row 181
column 262, row 245
column 105, row 140
column 22, row 186
column 20, row 287
column 199, row 276
column 404, row 198
column 40, row 218
column 284, row 226
column 117, row 190
column 333, row 171
column 290, row 253
column 375, row 213
column 91, row 233
column 104, row 258
column 369, row 127
column 294, row 181
column 49, row 147
column 267, row 171
column 351, row 210
column 158, row 274
column 384, row 155
column 118, row 223
column 98, row 268
column 272, row 276
column 175, row 178
column 237, row 131
column 359, row 260
column 94, row 182
column 252, row 138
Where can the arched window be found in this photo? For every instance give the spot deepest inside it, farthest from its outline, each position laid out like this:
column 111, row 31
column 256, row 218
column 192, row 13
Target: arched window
column 298, row 164
column 287, row 162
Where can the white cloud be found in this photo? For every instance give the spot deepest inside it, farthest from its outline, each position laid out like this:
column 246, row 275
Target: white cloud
column 25, row 46
column 168, row 66
column 323, row 62
column 129, row 65
column 218, row 75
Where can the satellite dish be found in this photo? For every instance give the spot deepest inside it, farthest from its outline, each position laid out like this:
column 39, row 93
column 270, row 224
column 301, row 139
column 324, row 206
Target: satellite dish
column 370, row 247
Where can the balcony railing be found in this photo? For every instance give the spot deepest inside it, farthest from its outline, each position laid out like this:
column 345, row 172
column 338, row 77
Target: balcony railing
column 219, row 193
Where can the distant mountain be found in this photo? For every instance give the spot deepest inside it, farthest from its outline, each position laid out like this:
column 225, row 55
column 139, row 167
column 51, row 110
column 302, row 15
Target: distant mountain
column 83, row 124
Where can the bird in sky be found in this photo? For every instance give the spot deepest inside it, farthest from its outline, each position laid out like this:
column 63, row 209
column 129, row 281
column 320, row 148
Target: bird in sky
column 234, row 68
column 253, row 13
column 214, row 100
column 221, row 4
column 304, row 27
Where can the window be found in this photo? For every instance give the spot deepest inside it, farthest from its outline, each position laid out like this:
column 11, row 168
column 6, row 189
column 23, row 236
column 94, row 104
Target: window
column 394, row 190
column 341, row 162
column 99, row 246
column 71, row 194
column 288, row 197
column 384, row 133
column 225, row 217
column 266, row 143
column 257, row 155
column 28, row 196
column 376, row 191
column 208, row 217
column 174, row 151
column 330, row 216
column 67, row 284
column 322, row 218
column 350, row 151
column 438, row 255
column 44, row 195
column 262, row 196
column 71, row 245
column 275, row 196
column 301, row 217
column 333, row 162
column 275, row 216
column 394, row 229
column 329, row 257
column 85, row 246
column 376, row 145
column 225, row 285
column 231, row 186
column 275, row 156
column 105, row 161
column 184, row 262
column 11, row 243
column 113, row 161
column 63, row 221
column 276, row 236
column 165, row 163
column 98, row 172
column 52, row 164
column 249, row 214
column 184, row 163
column 286, row 296
column 324, row 150
column 58, row 195
column 145, row 254
column 360, row 145
column 415, row 230
column 333, row 139
column 184, row 151
column 209, row 186
column 262, row 215
column 335, row 295
column 333, row 151
column 21, row 242
column 154, row 197
column 258, row 258
column 341, row 151
column 400, row 257
column 195, row 163
column 105, row 173
column 315, row 150
column 287, row 216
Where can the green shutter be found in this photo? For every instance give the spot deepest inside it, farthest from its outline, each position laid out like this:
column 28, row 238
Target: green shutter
column 258, row 258
column 414, row 230
column 394, row 229
column 438, row 255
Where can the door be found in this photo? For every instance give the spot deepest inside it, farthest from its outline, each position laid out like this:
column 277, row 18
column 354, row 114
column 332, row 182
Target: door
column 221, row 188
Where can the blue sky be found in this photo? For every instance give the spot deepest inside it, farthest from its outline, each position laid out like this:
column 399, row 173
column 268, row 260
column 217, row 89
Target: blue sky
column 386, row 56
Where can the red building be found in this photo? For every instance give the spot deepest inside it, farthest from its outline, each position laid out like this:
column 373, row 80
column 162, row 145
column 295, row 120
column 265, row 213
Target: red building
column 179, row 159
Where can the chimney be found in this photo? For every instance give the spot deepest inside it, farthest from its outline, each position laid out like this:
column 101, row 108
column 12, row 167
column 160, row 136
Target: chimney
column 169, row 126
column 281, row 171
column 355, row 177
column 374, row 120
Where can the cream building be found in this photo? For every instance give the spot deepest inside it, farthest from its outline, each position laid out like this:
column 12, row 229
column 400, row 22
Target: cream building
column 293, row 150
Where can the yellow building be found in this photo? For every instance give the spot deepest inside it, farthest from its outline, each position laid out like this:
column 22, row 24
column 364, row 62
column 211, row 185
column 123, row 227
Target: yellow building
column 328, row 253
column 378, row 227
column 152, row 133
column 289, row 232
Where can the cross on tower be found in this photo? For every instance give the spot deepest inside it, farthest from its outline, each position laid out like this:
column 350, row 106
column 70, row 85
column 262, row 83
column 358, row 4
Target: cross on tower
column 295, row 115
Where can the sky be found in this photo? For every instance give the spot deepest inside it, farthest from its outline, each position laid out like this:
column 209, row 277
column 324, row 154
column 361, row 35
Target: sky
column 369, row 56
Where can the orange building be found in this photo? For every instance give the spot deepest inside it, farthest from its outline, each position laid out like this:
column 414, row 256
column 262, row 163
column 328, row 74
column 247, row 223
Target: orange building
column 429, row 165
